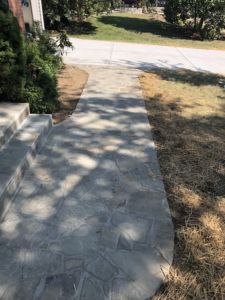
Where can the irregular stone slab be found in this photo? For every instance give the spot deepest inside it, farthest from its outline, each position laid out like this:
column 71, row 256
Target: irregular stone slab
column 58, row 286
column 136, row 228
column 38, row 263
column 145, row 269
column 125, row 289
column 91, row 219
column 149, row 203
column 91, row 290
column 101, row 268
column 72, row 263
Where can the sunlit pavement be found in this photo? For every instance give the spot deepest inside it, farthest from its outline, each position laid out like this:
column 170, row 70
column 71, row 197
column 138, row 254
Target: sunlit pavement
column 91, row 220
column 142, row 56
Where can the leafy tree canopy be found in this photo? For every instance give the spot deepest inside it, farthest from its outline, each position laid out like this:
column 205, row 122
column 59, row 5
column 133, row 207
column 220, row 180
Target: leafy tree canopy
column 205, row 17
column 58, row 12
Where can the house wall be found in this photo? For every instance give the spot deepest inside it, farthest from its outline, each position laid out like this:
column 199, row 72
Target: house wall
column 37, row 12
column 27, row 14
column 16, row 8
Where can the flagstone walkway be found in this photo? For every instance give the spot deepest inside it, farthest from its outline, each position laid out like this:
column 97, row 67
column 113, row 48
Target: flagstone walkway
column 91, row 220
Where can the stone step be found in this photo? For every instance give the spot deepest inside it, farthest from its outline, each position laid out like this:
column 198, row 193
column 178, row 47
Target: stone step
column 12, row 116
column 17, row 155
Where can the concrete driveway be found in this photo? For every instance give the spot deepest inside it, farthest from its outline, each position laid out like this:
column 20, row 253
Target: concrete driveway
column 90, row 52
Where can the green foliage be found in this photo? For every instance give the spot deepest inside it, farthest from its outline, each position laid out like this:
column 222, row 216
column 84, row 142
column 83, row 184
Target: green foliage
column 42, row 65
column 12, row 58
column 34, row 95
column 63, row 42
column 29, row 66
column 171, row 10
column 41, row 70
column 59, row 13
column 205, row 17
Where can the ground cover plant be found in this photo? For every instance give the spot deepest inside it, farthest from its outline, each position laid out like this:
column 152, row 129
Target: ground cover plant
column 186, row 110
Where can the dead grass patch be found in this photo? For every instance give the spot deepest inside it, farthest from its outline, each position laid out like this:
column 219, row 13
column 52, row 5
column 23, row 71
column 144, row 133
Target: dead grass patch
column 71, row 82
column 187, row 113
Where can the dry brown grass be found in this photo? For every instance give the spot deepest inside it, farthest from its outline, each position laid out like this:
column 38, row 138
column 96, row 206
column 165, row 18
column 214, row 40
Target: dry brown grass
column 187, row 114
column 71, row 82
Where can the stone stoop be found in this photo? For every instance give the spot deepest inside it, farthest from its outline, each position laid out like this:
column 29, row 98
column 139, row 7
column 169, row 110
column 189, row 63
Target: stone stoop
column 11, row 118
column 21, row 137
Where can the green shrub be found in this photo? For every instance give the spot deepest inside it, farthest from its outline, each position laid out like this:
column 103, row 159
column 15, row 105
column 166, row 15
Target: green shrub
column 41, row 69
column 172, row 10
column 12, row 58
column 7, row 60
column 205, row 17
column 29, row 66
column 34, row 95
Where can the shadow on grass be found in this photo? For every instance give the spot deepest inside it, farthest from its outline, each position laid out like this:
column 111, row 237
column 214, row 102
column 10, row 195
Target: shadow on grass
column 190, row 77
column 81, row 28
column 151, row 26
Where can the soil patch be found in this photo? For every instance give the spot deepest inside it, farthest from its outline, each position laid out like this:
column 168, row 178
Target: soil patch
column 71, row 82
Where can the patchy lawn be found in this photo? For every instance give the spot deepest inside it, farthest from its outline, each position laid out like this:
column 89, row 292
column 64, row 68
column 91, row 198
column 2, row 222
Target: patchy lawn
column 139, row 29
column 71, row 82
column 187, row 114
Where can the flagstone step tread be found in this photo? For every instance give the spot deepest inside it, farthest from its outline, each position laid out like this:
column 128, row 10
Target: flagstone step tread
column 12, row 116
column 17, row 155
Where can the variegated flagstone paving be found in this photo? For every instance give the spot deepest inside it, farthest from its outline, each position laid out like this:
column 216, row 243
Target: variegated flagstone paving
column 91, row 220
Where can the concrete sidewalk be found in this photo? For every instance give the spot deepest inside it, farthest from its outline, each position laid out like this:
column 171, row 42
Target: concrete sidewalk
column 142, row 56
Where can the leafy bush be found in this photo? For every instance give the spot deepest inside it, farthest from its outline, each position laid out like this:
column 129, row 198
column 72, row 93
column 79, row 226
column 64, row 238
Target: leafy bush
column 29, row 66
column 205, row 17
column 59, row 13
column 12, row 58
column 42, row 65
column 171, row 11
column 35, row 97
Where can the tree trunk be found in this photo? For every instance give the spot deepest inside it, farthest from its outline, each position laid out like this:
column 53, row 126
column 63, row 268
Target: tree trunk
column 195, row 16
column 201, row 22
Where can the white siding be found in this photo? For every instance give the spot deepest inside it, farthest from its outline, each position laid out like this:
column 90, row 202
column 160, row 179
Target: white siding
column 37, row 12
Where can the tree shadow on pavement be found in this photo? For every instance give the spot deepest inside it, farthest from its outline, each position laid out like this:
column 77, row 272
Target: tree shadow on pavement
column 70, row 217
